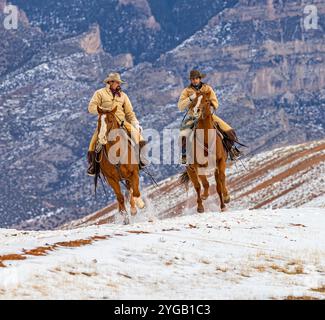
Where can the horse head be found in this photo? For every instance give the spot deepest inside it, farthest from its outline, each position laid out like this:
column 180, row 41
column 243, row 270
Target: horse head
column 201, row 105
column 106, row 122
column 205, row 106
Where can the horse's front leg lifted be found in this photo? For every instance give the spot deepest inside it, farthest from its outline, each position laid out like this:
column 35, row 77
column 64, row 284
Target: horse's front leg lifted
column 206, row 187
column 120, row 198
column 133, row 207
column 197, row 186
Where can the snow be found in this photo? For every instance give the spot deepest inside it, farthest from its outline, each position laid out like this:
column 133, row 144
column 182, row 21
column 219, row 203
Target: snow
column 243, row 254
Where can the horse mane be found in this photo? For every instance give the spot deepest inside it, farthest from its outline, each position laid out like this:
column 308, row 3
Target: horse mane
column 99, row 154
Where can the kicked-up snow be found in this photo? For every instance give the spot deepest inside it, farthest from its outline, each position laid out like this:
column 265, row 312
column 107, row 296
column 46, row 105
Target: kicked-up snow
column 244, row 254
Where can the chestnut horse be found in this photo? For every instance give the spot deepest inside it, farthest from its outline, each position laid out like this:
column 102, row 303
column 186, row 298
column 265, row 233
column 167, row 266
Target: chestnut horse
column 209, row 154
column 117, row 162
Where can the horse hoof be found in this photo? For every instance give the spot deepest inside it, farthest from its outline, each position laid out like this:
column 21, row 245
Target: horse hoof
column 126, row 221
column 224, row 209
column 134, row 211
column 125, row 216
column 200, row 209
column 204, row 197
column 139, row 203
column 226, row 199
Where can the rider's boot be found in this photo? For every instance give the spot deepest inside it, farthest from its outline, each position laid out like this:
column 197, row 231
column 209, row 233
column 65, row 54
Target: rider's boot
column 183, row 157
column 143, row 162
column 91, row 157
column 229, row 139
column 234, row 153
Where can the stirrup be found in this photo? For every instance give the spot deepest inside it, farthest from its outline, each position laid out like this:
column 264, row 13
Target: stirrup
column 90, row 174
column 99, row 147
column 183, row 160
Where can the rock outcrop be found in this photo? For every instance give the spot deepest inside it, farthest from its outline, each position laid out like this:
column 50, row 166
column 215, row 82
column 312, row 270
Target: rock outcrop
column 267, row 70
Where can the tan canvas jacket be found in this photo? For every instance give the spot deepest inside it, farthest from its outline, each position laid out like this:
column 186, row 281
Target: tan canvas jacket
column 103, row 98
column 184, row 99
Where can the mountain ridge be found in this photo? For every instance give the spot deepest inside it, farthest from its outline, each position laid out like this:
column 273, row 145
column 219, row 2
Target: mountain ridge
column 45, row 128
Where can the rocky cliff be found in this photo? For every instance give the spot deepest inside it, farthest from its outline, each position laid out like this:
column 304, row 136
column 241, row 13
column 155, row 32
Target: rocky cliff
column 266, row 68
column 143, row 28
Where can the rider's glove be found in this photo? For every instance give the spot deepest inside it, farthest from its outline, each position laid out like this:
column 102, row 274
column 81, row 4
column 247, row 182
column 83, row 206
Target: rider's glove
column 192, row 97
column 139, row 128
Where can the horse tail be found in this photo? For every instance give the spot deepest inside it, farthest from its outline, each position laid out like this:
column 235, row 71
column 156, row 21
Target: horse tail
column 184, row 178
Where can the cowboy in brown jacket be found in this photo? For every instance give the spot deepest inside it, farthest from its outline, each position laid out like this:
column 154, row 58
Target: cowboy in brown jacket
column 107, row 99
column 187, row 96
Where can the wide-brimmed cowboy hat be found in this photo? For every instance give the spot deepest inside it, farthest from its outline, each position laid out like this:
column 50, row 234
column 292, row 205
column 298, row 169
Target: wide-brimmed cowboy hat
column 196, row 74
column 114, row 77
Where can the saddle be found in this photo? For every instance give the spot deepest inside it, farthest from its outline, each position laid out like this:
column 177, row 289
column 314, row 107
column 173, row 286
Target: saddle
column 229, row 138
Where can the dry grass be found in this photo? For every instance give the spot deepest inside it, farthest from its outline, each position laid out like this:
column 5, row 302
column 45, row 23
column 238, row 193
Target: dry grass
column 297, row 225
column 124, row 275
column 75, row 243
column 87, row 274
column 168, row 263
column 300, row 298
column 245, row 274
column 205, row 261
column 260, row 268
column 40, row 251
column 222, row 269
column 43, row 251
column 320, row 289
column 293, row 267
column 10, row 257
column 298, row 269
column 138, row 232
column 98, row 238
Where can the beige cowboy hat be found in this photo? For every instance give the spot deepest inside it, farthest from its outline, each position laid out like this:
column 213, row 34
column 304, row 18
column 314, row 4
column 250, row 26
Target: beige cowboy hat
column 114, row 77
column 196, row 74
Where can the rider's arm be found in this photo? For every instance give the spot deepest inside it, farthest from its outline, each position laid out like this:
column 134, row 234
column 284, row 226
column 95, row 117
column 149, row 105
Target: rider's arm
column 184, row 100
column 214, row 99
column 129, row 113
column 95, row 102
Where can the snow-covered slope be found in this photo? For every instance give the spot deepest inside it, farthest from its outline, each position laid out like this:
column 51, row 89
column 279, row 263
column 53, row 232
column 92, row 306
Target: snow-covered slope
column 268, row 245
column 247, row 254
column 286, row 177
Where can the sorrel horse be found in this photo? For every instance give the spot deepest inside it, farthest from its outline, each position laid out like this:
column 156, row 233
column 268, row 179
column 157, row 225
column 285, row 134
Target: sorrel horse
column 117, row 162
column 208, row 153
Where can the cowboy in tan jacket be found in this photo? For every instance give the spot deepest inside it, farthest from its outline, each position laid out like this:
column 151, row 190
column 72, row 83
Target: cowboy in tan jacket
column 187, row 96
column 107, row 99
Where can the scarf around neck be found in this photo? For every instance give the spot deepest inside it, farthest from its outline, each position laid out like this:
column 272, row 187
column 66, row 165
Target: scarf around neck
column 197, row 87
column 117, row 91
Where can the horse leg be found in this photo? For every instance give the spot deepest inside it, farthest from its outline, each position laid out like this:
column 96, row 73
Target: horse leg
column 206, row 187
column 217, row 176
column 134, row 210
column 222, row 170
column 136, row 191
column 120, row 198
column 131, row 199
column 197, row 186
